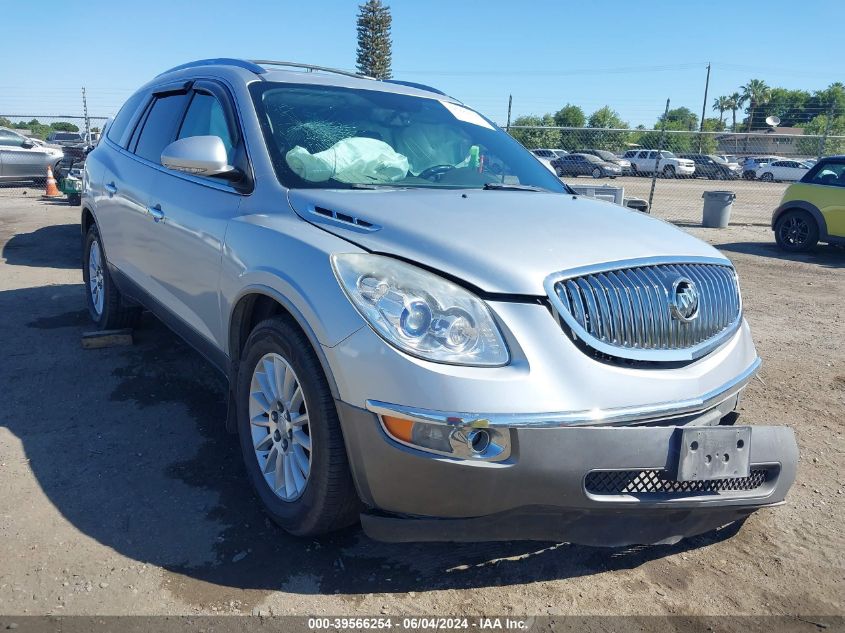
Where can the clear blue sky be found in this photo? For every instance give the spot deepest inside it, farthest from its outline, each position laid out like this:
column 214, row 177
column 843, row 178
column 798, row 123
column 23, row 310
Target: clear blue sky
column 631, row 55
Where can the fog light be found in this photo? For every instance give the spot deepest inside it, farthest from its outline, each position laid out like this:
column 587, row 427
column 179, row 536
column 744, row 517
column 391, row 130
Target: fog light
column 460, row 441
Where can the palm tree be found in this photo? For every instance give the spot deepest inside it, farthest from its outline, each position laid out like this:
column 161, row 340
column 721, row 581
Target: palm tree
column 757, row 93
column 735, row 102
column 721, row 104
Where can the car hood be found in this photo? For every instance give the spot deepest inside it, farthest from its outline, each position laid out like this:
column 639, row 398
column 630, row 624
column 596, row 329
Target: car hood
column 499, row 241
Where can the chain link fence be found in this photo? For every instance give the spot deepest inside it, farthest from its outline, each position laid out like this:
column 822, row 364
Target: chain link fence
column 672, row 169
column 40, row 126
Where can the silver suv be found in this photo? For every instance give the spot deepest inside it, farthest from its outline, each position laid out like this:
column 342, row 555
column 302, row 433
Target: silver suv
column 420, row 325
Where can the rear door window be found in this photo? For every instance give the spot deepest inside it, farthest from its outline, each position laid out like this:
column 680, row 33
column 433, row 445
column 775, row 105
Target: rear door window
column 159, row 128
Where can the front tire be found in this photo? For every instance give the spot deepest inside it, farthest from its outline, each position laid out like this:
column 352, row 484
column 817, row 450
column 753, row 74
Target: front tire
column 669, row 171
column 290, row 435
column 767, row 177
column 105, row 303
column 796, row 231
column 596, row 173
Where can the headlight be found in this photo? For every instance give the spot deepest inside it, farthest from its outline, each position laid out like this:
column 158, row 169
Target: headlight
column 420, row 313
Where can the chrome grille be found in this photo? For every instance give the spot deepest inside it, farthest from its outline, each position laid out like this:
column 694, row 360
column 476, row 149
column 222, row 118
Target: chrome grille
column 627, row 311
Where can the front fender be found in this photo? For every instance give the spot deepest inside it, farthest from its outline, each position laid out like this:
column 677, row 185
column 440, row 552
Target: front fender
column 286, row 258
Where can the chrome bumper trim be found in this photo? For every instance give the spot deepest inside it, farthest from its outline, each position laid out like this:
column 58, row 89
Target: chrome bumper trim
column 597, row 417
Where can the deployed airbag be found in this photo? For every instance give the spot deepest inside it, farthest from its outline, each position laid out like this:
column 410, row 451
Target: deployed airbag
column 355, row 159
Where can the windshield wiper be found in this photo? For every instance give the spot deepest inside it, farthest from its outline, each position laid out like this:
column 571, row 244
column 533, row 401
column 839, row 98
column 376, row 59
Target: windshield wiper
column 503, row 186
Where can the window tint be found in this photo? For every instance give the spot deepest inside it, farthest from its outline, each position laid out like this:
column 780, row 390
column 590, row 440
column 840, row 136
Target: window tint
column 121, row 121
column 10, row 139
column 160, row 126
column 829, row 173
column 206, row 117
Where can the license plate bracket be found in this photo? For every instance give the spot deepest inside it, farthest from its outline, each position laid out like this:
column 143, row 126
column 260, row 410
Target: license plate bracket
column 714, row 452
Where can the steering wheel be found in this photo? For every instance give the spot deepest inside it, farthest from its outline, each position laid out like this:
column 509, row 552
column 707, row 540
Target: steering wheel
column 435, row 172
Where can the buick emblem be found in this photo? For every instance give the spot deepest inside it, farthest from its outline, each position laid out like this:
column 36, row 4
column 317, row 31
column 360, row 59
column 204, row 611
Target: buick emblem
column 684, row 300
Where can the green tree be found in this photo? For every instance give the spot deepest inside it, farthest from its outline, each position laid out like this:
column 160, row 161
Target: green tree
column 818, row 126
column 790, row 106
column 679, row 119
column 603, row 135
column 722, row 104
column 606, row 117
column 757, row 93
column 570, row 116
column 64, row 126
column 534, row 138
column 374, row 44
column 4, row 122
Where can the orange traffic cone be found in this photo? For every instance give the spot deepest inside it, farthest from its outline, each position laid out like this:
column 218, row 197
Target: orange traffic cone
column 52, row 191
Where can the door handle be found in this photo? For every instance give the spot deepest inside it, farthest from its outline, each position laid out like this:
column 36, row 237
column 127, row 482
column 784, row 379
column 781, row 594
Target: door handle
column 156, row 213
column 110, row 188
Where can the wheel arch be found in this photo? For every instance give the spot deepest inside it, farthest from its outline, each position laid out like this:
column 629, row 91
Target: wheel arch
column 86, row 220
column 802, row 205
column 257, row 303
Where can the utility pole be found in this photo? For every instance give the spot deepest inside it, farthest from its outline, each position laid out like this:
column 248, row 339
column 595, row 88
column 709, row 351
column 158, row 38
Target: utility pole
column 85, row 114
column 703, row 110
column 510, row 103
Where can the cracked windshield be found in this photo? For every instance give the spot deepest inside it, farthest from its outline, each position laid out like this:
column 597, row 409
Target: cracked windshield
column 334, row 137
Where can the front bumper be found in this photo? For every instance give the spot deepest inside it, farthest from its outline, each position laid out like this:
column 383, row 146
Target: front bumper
column 685, row 170
column 541, row 492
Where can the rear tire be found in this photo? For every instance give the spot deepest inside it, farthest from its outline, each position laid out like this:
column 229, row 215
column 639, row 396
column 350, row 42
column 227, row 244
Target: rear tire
column 105, row 304
column 303, row 503
column 596, row 173
column 796, row 231
column 767, row 177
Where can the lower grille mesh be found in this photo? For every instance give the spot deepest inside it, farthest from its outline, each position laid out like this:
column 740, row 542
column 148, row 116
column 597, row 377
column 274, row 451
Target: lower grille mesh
column 617, row 482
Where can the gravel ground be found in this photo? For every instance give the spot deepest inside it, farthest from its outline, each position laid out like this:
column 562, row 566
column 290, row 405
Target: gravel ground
column 679, row 200
column 120, row 492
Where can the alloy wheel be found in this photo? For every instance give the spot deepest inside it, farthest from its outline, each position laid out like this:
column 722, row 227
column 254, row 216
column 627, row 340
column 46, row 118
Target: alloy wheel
column 95, row 276
column 280, row 428
column 795, row 231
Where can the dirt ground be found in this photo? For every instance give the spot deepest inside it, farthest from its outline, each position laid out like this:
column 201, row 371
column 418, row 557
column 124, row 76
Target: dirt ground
column 121, row 493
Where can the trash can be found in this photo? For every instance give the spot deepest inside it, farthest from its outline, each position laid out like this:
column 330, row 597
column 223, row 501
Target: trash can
column 717, row 208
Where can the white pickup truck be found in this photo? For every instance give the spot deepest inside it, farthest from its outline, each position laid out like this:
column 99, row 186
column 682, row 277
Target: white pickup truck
column 669, row 165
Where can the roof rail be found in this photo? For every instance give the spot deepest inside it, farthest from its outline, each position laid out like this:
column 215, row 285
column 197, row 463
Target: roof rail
column 219, row 61
column 414, row 84
column 308, row 67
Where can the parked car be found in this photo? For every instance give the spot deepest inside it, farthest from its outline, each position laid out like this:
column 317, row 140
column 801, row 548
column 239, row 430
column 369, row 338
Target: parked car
column 23, row 159
column 713, row 167
column 668, row 165
column 585, row 165
column 730, row 159
column 65, row 138
column 551, row 154
column 753, row 163
column 813, row 210
column 782, row 170
column 447, row 343
column 610, row 157
column 545, row 156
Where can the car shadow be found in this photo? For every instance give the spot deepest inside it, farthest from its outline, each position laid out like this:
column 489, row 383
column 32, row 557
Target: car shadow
column 148, row 470
column 54, row 246
column 824, row 255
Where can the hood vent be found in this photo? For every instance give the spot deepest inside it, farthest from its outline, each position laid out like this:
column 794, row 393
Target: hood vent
column 345, row 219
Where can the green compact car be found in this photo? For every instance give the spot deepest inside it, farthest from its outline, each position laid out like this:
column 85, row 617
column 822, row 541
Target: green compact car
column 813, row 209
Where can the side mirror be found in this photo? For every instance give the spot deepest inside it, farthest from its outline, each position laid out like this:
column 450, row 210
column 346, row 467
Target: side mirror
column 201, row 156
column 27, row 144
